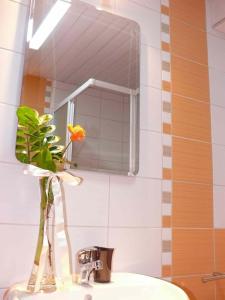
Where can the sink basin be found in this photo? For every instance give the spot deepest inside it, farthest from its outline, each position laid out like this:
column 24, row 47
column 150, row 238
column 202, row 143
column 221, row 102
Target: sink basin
column 124, row 286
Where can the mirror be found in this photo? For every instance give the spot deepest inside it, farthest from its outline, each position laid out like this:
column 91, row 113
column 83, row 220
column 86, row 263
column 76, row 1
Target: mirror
column 82, row 65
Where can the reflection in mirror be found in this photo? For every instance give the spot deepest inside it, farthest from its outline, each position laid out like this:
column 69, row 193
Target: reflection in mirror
column 86, row 71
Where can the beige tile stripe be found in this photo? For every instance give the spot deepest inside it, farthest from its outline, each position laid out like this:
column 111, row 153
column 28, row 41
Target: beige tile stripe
column 167, row 142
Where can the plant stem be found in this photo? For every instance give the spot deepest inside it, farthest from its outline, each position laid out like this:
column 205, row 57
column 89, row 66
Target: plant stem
column 64, row 151
column 42, row 221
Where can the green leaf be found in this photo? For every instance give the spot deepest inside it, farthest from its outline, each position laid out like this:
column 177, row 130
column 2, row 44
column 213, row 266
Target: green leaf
column 20, row 140
column 56, row 149
column 27, row 116
column 22, row 157
column 44, row 160
column 44, row 119
column 51, row 139
column 47, row 129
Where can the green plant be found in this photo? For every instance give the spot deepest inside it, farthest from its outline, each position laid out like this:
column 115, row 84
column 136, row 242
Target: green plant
column 35, row 143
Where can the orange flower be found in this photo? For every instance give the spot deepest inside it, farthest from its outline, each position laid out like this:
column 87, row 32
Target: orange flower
column 77, row 132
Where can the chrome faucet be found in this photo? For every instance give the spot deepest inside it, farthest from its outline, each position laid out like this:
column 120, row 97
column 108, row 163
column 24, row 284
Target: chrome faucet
column 88, row 261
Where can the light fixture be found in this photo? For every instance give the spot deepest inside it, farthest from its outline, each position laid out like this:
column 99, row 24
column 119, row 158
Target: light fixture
column 46, row 27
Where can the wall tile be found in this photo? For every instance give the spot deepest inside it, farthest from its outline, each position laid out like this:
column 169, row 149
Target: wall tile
column 82, row 237
column 10, row 76
column 8, row 133
column 150, row 157
column 87, row 204
column 219, row 206
column 188, row 42
column 150, row 109
column 148, row 20
column 20, row 196
column 192, row 161
column 191, row 12
column 139, row 197
column 150, row 67
column 220, row 289
column 191, row 119
column 192, row 251
column 13, row 37
column 152, row 4
column 217, row 90
column 218, row 122
column 218, row 165
column 2, row 291
column 216, row 52
column 190, row 79
column 219, row 250
column 195, row 288
column 128, row 242
column 192, row 205
column 16, row 265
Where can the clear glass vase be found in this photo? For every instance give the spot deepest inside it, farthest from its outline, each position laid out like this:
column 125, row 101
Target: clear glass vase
column 42, row 276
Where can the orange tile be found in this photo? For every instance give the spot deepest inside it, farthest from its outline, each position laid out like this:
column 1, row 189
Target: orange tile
column 165, row 46
column 166, row 86
column 165, row 10
column 195, row 289
column 188, row 42
column 189, row 79
column 192, row 205
column 191, row 119
column 167, row 128
column 192, row 161
column 166, row 221
column 220, row 289
column 189, row 11
column 192, row 251
column 166, row 271
column 219, row 250
column 167, row 173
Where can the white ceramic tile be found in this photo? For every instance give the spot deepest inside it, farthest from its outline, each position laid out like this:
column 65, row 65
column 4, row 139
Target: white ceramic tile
column 17, row 251
column 12, row 34
column 150, row 109
column 10, row 76
column 91, row 124
column 152, row 4
column 150, row 164
column 148, row 20
column 218, row 164
column 7, row 133
column 111, row 151
column 219, row 206
column 25, row 2
column 217, row 86
column 20, row 196
column 136, row 250
column 140, row 198
column 216, row 52
column 88, row 105
column 82, row 237
column 112, row 110
column 218, row 124
column 212, row 15
column 112, row 130
column 87, row 204
column 150, row 67
column 2, row 291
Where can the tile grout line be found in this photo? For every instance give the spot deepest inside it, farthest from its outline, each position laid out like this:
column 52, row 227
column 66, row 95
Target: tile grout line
column 166, row 142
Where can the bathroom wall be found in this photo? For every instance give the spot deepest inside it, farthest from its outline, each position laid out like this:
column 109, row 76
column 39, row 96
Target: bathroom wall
column 174, row 220
column 216, row 59
column 96, row 208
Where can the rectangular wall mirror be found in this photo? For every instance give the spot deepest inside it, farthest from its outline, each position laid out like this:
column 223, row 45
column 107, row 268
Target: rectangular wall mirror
column 84, row 68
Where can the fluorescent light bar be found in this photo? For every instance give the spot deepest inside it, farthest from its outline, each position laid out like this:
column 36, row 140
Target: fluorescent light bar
column 30, row 29
column 46, row 27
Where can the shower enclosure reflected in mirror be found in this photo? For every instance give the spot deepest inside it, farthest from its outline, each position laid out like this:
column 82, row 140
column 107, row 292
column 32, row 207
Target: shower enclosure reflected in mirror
column 85, row 71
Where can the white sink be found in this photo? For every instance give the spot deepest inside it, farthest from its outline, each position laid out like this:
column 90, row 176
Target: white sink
column 124, row 286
